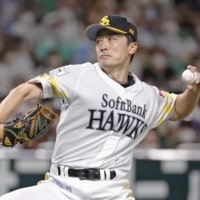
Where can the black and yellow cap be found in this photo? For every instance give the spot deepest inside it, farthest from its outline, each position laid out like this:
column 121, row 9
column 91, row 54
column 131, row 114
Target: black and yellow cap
column 114, row 23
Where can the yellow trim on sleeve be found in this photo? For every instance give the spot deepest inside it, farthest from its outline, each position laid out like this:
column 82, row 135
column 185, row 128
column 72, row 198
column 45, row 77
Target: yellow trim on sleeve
column 63, row 95
column 167, row 108
column 53, row 86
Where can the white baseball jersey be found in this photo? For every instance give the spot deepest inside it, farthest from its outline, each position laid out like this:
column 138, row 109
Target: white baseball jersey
column 100, row 124
column 101, row 121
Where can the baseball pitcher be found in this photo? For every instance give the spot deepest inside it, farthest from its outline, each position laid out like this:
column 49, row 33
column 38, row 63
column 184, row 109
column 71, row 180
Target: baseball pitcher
column 105, row 112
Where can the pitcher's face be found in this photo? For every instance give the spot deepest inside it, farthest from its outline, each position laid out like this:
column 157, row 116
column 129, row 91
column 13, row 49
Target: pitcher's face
column 113, row 50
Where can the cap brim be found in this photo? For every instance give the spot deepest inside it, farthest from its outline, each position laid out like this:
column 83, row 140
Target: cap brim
column 92, row 30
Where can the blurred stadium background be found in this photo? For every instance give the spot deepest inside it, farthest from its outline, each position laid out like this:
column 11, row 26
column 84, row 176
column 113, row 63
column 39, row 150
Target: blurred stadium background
column 38, row 35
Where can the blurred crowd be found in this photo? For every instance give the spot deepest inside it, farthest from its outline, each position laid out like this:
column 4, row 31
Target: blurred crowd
column 38, row 35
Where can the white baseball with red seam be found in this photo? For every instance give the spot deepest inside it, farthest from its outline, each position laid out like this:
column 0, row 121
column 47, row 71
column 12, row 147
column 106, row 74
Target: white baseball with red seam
column 189, row 77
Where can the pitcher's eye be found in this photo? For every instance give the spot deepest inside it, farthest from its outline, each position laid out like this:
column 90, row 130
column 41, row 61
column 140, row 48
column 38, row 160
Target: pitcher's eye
column 112, row 38
column 98, row 41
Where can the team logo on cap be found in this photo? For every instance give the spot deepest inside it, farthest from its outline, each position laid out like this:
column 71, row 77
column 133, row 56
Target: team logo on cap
column 131, row 31
column 105, row 21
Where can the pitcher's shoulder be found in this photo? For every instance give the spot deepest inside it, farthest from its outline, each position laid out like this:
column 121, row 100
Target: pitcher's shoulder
column 86, row 65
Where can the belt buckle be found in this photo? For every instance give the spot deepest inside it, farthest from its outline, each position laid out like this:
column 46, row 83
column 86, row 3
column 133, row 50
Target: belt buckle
column 82, row 174
column 89, row 174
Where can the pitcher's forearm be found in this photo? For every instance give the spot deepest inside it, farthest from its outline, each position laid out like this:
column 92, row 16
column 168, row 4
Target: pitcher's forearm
column 10, row 104
column 1, row 131
column 16, row 98
column 185, row 103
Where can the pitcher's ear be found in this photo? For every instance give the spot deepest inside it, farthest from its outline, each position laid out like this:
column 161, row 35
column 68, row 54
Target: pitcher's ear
column 133, row 47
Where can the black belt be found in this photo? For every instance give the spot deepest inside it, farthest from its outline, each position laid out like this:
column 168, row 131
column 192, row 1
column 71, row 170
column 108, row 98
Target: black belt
column 88, row 174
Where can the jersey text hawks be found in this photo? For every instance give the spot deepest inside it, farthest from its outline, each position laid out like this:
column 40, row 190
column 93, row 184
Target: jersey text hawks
column 130, row 122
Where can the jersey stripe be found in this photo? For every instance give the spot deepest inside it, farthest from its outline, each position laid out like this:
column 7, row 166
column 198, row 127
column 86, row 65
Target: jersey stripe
column 167, row 108
column 62, row 94
column 53, row 86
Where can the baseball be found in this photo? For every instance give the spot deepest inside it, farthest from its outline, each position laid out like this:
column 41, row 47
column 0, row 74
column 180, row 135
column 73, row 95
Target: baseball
column 189, row 77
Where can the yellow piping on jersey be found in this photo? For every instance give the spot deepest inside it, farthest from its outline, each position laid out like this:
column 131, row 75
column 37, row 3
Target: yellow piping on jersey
column 53, row 86
column 55, row 89
column 167, row 108
column 62, row 94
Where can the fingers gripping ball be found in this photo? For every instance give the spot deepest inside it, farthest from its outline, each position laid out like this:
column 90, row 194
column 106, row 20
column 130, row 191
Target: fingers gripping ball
column 189, row 77
column 35, row 123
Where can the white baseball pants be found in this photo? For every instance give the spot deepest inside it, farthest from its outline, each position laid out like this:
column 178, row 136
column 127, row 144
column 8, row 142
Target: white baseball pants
column 73, row 189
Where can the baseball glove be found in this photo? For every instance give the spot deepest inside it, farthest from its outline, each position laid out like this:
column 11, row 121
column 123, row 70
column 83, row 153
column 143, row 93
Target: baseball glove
column 36, row 122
